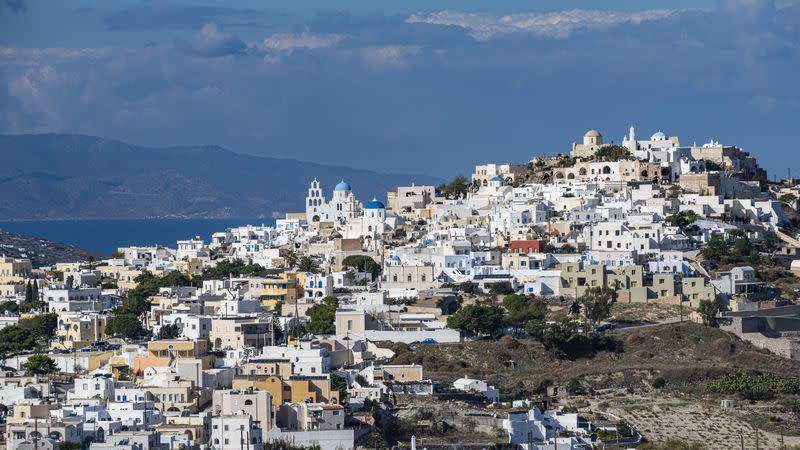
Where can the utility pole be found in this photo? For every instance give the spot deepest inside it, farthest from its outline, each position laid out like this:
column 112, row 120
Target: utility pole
column 756, row 438
column 741, row 438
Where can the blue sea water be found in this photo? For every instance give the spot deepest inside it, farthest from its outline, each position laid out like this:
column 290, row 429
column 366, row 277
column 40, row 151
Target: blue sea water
column 104, row 236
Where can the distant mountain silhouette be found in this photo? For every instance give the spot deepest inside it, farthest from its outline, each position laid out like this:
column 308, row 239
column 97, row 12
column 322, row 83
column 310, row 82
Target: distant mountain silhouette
column 60, row 176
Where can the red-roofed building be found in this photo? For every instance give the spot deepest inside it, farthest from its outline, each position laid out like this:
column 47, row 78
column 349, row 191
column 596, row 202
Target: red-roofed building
column 527, row 246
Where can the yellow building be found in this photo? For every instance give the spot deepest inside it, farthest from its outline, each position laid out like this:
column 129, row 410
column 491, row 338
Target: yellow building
column 191, row 266
column 161, row 352
column 295, row 389
column 124, row 276
column 13, row 269
column 76, row 330
column 286, row 287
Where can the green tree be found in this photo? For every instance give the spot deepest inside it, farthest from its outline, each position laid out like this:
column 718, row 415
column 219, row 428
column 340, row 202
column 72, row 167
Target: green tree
column 35, row 292
column 501, row 288
column 169, row 331
column 715, row 248
column 522, row 309
column 468, row 287
column 70, row 445
column 515, row 302
column 612, row 153
column 126, row 326
column 290, row 259
column 682, row 219
column 9, row 306
column 553, row 336
column 742, row 247
column 322, row 315
column 363, row 263
column 674, row 191
column 596, row 304
column 788, row 198
column 28, row 293
column 457, row 187
column 477, row 319
column 14, row 339
column 307, row 264
column 708, row 310
column 40, row 365
column 42, row 326
column 339, row 385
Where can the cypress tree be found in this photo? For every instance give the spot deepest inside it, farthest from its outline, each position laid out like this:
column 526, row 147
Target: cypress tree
column 28, row 293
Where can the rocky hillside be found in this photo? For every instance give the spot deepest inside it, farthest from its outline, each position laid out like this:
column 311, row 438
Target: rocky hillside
column 41, row 252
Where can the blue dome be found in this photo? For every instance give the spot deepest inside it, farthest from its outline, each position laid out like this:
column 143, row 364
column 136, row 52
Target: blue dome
column 495, row 178
column 375, row 204
column 342, row 186
column 657, row 136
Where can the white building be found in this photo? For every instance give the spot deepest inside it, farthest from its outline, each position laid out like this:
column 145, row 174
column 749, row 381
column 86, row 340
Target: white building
column 342, row 206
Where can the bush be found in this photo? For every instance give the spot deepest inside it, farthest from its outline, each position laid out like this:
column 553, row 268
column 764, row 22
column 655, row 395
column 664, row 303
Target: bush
column 501, row 288
column 658, row 383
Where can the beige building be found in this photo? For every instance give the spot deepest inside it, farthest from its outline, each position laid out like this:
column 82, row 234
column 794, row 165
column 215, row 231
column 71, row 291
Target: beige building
column 124, row 276
column 509, row 173
column 417, row 277
column 257, row 404
column 592, row 142
column 295, row 389
column 13, row 269
column 238, row 332
column 76, row 330
column 311, row 417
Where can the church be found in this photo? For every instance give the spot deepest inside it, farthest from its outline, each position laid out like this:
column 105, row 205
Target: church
column 341, row 207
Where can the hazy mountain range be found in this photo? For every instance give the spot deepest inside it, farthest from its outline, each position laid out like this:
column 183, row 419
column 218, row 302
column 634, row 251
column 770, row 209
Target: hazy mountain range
column 60, row 176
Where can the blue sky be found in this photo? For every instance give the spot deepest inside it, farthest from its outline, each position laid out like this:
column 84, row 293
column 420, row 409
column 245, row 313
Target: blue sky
column 431, row 86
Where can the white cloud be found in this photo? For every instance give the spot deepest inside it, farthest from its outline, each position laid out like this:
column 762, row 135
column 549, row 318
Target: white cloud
column 388, row 57
column 211, row 41
column 559, row 24
column 33, row 90
column 286, row 41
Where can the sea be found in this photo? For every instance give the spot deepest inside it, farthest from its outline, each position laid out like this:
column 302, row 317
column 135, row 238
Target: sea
column 104, row 236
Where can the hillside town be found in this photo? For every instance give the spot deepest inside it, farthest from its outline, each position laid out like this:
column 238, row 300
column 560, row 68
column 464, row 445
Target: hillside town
column 422, row 319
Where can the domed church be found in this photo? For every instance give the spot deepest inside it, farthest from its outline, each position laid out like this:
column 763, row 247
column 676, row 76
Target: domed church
column 342, row 206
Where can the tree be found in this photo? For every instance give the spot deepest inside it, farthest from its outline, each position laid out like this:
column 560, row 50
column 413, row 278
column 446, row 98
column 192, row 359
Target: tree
column 715, row 248
column 9, row 306
column 682, row 219
column 14, row 338
column 552, row 335
column 456, row 188
column 468, row 287
column 515, row 302
column 28, row 293
column 674, row 191
column 70, row 445
column 522, row 309
column 339, row 385
column 375, row 441
column 477, row 319
column 35, row 291
column 169, row 331
column 42, row 326
column 708, row 310
column 501, row 288
column 290, row 259
column 322, row 315
column 40, row 365
column 788, row 198
column 307, row 264
column 363, row 263
column 126, row 326
column 596, row 303
column 742, row 247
